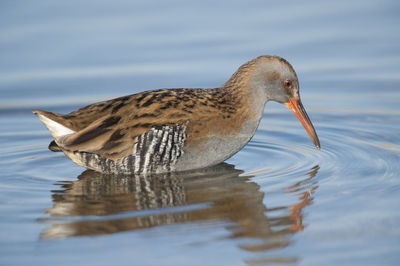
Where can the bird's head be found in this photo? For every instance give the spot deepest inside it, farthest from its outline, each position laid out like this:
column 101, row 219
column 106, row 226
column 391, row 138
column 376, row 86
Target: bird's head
column 275, row 79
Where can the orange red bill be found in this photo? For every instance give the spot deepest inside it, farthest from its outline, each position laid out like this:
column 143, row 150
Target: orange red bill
column 297, row 108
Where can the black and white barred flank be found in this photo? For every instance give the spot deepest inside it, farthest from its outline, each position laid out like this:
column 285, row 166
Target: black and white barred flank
column 155, row 151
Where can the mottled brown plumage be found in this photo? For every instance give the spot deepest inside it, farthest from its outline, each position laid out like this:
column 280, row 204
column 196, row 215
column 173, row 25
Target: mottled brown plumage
column 111, row 129
column 108, row 128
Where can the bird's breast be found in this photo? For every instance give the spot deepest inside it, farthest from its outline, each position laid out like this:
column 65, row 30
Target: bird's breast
column 213, row 145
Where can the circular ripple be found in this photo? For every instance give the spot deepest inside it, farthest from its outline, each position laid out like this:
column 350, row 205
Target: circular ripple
column 351, row 145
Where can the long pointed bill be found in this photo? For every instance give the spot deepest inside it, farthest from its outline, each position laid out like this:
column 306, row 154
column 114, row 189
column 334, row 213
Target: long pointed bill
column 297, row 108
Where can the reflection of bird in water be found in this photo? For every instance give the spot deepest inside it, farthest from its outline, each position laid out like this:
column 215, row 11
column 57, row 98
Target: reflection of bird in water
column 220, row 193
column 304, row 189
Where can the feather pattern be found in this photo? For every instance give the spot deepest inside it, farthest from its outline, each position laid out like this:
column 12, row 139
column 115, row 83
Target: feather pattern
column 155, row 151
column 111, row 130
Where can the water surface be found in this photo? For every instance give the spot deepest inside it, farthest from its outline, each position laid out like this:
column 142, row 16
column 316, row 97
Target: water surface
column 278, row 201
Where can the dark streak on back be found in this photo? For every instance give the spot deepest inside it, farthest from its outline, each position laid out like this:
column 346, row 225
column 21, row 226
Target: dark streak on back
column 96, row 132
column 91, row 134
column 116, row 136
column 116, row 108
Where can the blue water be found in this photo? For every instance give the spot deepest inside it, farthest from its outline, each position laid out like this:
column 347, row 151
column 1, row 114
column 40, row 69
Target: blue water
column 278, row 201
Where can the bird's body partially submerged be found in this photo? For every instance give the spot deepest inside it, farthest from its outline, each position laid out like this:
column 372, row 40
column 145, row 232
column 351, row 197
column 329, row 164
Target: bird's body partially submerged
column 175, row 129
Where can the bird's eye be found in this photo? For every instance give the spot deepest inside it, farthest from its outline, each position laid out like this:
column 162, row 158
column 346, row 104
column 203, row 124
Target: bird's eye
column 288, row 83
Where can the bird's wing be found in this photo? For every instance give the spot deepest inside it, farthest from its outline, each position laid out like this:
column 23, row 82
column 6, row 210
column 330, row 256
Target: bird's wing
column 109, row 137
column 112, row 128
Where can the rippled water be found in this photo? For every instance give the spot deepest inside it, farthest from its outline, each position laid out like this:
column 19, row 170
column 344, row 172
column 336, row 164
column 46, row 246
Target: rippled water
column 278, row 201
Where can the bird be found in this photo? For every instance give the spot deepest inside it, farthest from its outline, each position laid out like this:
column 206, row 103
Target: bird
column 179, row 129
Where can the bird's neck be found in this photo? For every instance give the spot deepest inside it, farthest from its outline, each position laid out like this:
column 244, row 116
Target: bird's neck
column 241, row 93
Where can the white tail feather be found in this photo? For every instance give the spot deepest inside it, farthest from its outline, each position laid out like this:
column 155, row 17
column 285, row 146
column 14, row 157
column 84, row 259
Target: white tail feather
column 55, row 128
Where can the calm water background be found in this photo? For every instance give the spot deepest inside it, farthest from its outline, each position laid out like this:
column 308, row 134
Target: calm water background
column 279, row 200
